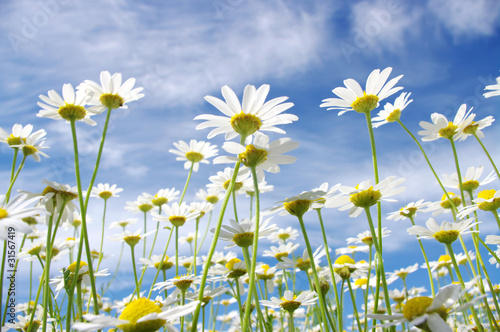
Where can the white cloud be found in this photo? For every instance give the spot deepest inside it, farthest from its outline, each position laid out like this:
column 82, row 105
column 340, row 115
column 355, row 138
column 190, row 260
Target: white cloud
column 467, row 18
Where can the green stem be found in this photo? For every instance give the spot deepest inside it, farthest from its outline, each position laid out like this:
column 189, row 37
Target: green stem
column 328, row 258
column 160, row 267
column 195, row 244
column 205, row 233
column 11, row 185
column 315, row 274
column 353, row 299
column 291, row 325
column 431, row 282
column 102, row 235
column 372, row 144
column 48, row 256
column 214, row 244
column 253, row 266
column 137, row 287
column 459, row 174
column 176, row 250
column 187, row 183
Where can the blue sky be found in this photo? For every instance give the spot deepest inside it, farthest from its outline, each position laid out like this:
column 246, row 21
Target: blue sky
column 182, row 51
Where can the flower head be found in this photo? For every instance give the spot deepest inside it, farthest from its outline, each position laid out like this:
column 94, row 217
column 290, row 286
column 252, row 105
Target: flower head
column 495, row 89
column 470, row 181
column 447, row 233
column 251, row 115
column 195, row 153
column 13, row 212
column 176, row 214
column 242, row 234
column 409, row 210
column 392, row 113
column 105, row 191
column 441, row 127
column 290, row 302
column 354, row 98
column 297, row 205
column 71, row 107
column 111, row 93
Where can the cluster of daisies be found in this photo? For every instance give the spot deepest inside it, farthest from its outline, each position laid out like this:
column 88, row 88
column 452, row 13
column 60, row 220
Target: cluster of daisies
column 227, row 282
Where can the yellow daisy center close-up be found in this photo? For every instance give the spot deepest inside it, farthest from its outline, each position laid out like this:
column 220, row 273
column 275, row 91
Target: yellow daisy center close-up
column 243, row 240
column 447, row 237
column 488, row 195
column 66, row 195
column 297, row 207
column 417, row 307
column 470, row 185
column 290, row 305
column 366, row 198
column 105, row 194
column 71, row 112
column 252, row 156
column 137, row 309
column 15, row 140
column 159, row 201
column 394, row 116
column 237, row 185
column 145, row 207
column 3, row 213
column 111, row 101
column 177, row 220
column 365, row 104
column 449, row 131
column 245, row 124
column 445, row 202
column 194, row 157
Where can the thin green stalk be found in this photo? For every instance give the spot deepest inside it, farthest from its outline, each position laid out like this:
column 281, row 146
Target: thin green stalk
column 205, row 233
column 214, row 243
column 426, row 260
column 315, row 274
column 253, row 266
column 353, row 299
column 459, row 174
column 48, row 256
column 161, row 262
column 234, row 207
column 137, row 287
column 372, row 144
column 187, row 183
column 145, row 231
column 328, row 258
column 428, row 163
column 116, row 269
column 11, row 185
column 195, row 244
column 291, row 325
column 102, row 235
column 176, row 250
column 487, row 154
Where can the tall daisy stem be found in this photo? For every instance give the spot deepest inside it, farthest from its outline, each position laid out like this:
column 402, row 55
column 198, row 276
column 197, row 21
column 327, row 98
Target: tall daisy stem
column 487, row 154
column 187, row 183
column 429, row 271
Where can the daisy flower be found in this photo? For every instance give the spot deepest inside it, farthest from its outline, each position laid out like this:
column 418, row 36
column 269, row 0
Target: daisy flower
column 401, row 273
column 23, row 322
column 261, row 154
column 495, row 89
column 441, row 127
column 303, row 262
column 122, row 223
column 162, row 197
column 143, row 204
column 111, row 93
column 105, row 191
column 201, row 207
column 176, row 214
column 233, row 269
column 12, row 213
column 444, row 205
column 474, row 127
column 364, row 195
column 180, row 282
column 221, row 181
column 487, row 200
column 492, row 239
column 354, row 98
column 211, row 195
column 282, row 235
column 156, row 262
column 470, row 181
column 494, row 260
column 32, row 146
column 245, row 119
column 242, row 234
column 446, row 233
column 297, row 205
column 427, row 313
column 291, row 302
column 409, row 210
column 345, row 267
column 350, row 250
column 391, row 112
column 71, row 107
column 261, row 185
column 139, row 315
column 220, row 258
column 328, row 194
column 83, row 275
column 131, row 238
column 284, row 250
column 366, row 237
column 194, row 153
column 22, row 137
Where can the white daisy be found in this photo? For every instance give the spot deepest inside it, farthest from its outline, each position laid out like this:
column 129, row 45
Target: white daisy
column 366, row 236
column 211, row 195
column 470, row 181
column 492, row 239
column 391, row 112
column 495, row 89
column 487, row 200
column 32, row 146
column 181, row 282
column 201, row 207
column 353, row 98
column 69, row 108
column 303, row 262
column 195, row 153
column 446, row 233
column 297, row 205
column 401, row 273
column 291, row 302
column 261, row 154
column 409, row 210
column 12, row 213
column 111, row 93
column 131, row 238
column 105, row 191
column 284, row 250
column 220, row 182
column 365, row 195
column 176, row 214
column 245, row 119
column 122, row 223
column 156, row 262
column 441, row 127
column 242, row 234
column 283, row 235
column 139, row 315
column 474, row 127
column 20, row 134
column 143, row 204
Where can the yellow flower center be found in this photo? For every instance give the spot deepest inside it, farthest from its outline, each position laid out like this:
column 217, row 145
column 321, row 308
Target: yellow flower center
column 488, row 195
column 72, row 266
column 145, row 207
column 194, row 157
column 230, row 265
column 470, row 185
column 243, row 240
column 445, row 202
column 446, row 237
column 252, row 156
column 111, row 101
column 303, row 265
column 394, row 116
column 366, row 198
column 472, row 128
column 66, row 195
column 417, row 307
column 105, row 194
column 344, row 271
column 290, row 305
column 132, row 240
column 235, row 272
column 182, row 284
column 13, row 140
column 444, row 260
column 365, row 104
column 3, row 213
column 29, row 150
column 36, row 250
column 449, row 131
column 297, row 207
column 411, row 212
column 213, row 199
column 237, row 185
column 138, row 309
column 280, row 255
column 367, row 240
column 177, row 220
column 361, row 282
column 71, row 112
column 245, row 124
column 284, row 236
column 159, row 201
column 28, row 220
